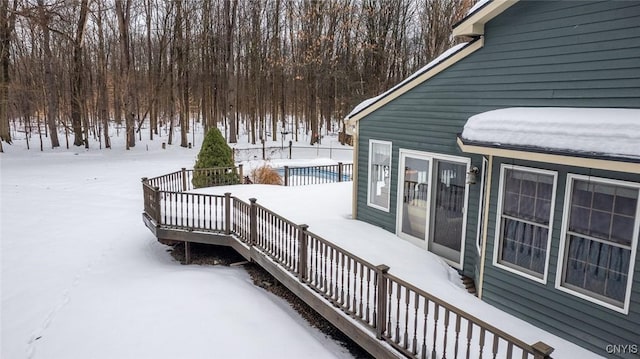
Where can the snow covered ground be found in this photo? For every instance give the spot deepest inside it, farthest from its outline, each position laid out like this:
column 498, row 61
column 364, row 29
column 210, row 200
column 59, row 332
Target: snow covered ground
column 82, row 277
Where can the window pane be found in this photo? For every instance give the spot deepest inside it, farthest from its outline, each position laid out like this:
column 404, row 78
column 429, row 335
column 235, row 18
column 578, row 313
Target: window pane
column 545, row 190
column 527, row 207
column 581, row 195
column 603, row 201
column 579, row 220
column 576, row 259
column 529, row 188
column 511, row 204
column 543, row 211
column 539, row 255
column 600, row 224
column 622, row 230
column 597, row 268
column 524, row 245
column 617, row 279
column 379, row 174
column 626, row 205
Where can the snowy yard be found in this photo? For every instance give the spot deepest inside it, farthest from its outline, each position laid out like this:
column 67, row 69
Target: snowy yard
column 83, row 278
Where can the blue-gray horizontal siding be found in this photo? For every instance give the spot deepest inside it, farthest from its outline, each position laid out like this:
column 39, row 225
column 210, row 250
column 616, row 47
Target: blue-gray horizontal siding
column 581, row 321
column 536, row 54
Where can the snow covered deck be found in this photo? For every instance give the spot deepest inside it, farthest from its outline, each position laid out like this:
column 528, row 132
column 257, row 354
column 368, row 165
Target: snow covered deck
column 388, row 295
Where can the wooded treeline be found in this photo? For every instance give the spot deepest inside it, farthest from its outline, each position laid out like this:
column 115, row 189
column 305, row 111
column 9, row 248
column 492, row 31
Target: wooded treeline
column 77, row 66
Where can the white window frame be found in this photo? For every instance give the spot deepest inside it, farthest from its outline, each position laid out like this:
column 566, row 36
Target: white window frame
column 370, row 202
column 497, row 243
column 563, row 241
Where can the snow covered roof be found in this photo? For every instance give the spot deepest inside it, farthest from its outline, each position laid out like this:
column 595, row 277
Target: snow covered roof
column 476, row 6
column 481, row 12
column 368, row 102
column 588, row 132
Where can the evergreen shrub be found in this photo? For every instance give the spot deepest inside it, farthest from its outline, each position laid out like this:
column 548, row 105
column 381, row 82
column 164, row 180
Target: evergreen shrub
column 215, row 153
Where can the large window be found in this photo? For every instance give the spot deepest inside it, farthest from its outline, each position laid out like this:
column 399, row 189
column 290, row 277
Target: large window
column 379, row 174
column 525, row 217
column 599, row 240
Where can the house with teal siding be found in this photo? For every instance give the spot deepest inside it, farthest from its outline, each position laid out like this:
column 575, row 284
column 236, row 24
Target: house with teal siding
column 515, row 157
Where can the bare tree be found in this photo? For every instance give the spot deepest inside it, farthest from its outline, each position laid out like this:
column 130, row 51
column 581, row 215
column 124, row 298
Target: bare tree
column 77, row 93
column 123, row 13
column 7, row 23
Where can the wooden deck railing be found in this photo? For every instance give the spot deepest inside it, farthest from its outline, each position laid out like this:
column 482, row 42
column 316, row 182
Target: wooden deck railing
column 414, row 322
column 298, row 176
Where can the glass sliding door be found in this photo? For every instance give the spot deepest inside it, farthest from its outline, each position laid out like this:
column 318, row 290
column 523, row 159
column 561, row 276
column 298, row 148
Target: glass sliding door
column 414, row 197
column 432, row 195
column 448, row 209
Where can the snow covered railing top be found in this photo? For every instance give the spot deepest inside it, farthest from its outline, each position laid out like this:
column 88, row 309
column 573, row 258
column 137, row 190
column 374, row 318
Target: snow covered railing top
column 414, row 322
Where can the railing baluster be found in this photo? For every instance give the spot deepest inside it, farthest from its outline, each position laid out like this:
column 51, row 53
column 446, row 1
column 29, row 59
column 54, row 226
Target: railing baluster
column 406, row 317
column 424, row 329
column 469, row 336
column 341, row 258
column 416, row 306
column 481, row 342
column 398, row 300
column 455, row 348
column 495, row 346
column 360, row 297
column 389, row 310
column 436, row 314
column 348, row 300
column 446, row 333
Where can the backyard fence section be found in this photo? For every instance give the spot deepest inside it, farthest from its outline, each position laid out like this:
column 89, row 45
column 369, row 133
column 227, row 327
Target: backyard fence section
column 386, row 315
column 298, row 176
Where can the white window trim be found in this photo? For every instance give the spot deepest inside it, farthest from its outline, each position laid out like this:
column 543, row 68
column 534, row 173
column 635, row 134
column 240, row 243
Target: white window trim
column 563, row 236
column 369, row 202
column 431, row 156
column 498, row 223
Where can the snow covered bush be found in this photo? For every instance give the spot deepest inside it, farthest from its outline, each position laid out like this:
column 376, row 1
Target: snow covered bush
column 266, row 175
column 214, row 165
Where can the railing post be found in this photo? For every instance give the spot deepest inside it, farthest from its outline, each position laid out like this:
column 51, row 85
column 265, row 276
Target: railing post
column 339, row 171
column 253, row 222
column 240, row 174
column 227, row 213
column 381, row 315
column 541, row 351
column 184, row 179
column 286, row 175
column 302, row 252
column 157, row 200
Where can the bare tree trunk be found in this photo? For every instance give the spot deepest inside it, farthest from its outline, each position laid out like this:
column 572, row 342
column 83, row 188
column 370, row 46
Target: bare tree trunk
column 183, row 79
column 77, row 95
column 123, row 10
column 230, row 10
column 103, row 101
column 7, row 17
column 52, row 99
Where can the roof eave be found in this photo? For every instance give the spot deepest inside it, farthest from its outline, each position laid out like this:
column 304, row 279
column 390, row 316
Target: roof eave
column 473, row 25
column 470, row 48
column 585, row 160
